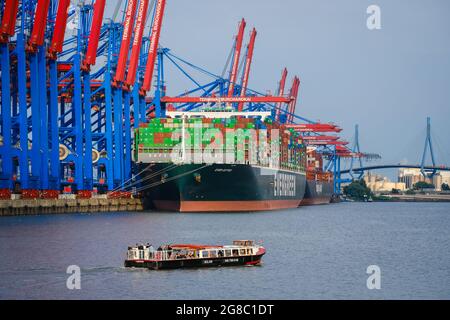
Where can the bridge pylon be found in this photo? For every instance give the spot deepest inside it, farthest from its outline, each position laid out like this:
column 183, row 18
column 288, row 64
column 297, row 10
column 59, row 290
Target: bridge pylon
column 428, row 143
column 356, row 150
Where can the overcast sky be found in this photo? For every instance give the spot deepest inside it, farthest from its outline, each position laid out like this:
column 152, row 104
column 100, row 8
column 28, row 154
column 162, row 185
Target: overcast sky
column 387, row 81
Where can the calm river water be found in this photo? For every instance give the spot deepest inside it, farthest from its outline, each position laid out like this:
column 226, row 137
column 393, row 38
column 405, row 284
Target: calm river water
column 318, row 252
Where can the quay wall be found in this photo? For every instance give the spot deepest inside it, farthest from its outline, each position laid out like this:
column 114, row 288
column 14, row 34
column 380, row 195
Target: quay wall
column 19, row 207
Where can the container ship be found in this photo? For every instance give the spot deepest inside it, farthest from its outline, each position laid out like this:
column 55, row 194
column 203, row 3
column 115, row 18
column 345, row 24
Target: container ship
column 219, row 162
column 319, row 184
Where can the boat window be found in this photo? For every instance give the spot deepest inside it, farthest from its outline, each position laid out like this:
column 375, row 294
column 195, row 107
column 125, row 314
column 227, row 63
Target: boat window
column 141, row 254
column 249, row 251
column 242, row 251
column 213, row 253
column 205, row 254
column 220, row 253
column 227, row 253
column 235, row 252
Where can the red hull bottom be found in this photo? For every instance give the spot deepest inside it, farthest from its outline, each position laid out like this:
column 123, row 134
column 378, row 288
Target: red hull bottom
column 315, row 201
column 225, row 206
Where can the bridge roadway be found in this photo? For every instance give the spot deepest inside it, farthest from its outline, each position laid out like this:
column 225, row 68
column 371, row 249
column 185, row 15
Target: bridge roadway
column 393, row 166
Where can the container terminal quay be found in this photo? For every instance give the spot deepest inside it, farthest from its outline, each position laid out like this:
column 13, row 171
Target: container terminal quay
column 87, row 124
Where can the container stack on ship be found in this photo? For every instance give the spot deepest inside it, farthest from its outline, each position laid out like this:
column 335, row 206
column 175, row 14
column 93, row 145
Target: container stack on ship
column 319, row 184
column 256, row 164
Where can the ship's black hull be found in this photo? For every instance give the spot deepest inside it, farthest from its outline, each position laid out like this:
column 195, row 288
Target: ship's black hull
column 221, row 188
column 317, row 192
column 195, row 263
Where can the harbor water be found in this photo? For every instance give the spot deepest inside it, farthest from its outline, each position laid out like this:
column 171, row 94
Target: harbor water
column 317, row 252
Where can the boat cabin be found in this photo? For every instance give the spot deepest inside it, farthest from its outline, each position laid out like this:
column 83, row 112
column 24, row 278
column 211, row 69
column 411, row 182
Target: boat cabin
column 239, row 248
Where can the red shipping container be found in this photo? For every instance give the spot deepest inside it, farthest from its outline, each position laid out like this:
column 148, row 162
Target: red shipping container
column 30, row 194
column 84, row 194
column 49, row 194
column 5, row 194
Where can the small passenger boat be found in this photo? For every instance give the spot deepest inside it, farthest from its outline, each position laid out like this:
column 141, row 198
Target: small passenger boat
column 173, row 256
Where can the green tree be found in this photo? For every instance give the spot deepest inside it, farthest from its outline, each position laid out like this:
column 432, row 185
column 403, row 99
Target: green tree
column 423, row 185
column 357, row 190
column 445, row 187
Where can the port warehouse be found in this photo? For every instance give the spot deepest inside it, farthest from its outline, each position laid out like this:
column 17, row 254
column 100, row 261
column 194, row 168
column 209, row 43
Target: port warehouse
column 74, row 104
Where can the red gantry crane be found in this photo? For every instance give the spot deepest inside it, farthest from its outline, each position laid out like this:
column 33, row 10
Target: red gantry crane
column 137, row 43
column 153, row 49
column 94, row 36
column 40, row 21
column 248, row 63
column 314, row 127
column 8, row 25
column 293, row 93
column 281, row 91
column 126, row 40
column 57, row 42
column 237, row 54
column 326, row 143
column 265, row 99
column 320, row 138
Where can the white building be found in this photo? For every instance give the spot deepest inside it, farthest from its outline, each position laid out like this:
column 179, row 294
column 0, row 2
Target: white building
column 411, row 176
column 378, row 183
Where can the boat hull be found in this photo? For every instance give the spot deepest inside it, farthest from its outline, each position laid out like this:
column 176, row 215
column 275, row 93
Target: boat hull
column 221, row 188
column 195, row 263
column 317, row 192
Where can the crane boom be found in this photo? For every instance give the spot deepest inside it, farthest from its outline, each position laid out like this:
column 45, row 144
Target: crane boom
column 9, row 20
column 294, row 94
column 326, row 143
column 137, row 43
column 237, row 54
column 56, row 44
column 314, row 127
column 40, row 22
column 94, row 36
column 320, row 138
column 248, row 63
column 128, row 24
column 281, row 90
column 266, row 99
column 153, row 49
